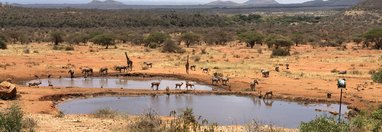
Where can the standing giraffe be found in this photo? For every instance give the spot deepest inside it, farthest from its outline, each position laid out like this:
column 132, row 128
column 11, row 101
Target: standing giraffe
column 187, row 64
column 129, row 62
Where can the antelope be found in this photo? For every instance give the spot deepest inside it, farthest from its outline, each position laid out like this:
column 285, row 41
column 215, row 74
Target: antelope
column 49, row 82
column 178, row 85
column 71, row 72
column 193, row 67
column 103, row 71
column 265, row 73
column 253, row 85
column 189, row 85
column 155, row 84
column 205, row 69
column 149, row 64
column 329, row 95
column 35, row 83
column 224, row 80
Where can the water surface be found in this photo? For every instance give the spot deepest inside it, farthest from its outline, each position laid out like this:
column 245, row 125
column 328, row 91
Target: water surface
column 115, row 82
column 222, row 109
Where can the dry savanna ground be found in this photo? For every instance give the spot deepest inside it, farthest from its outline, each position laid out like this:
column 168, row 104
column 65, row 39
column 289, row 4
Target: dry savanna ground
column 309, row 75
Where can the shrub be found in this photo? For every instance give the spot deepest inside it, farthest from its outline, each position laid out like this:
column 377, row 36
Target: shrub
column 3, row 44
column 11, row 119
column 170, row 46
column 69, row 48
column 103, row 39
column 280, row 52
column 204, row 51
column 323, row 124
column 146, row 123
column 377, row 77
column 29, row 124
column 105, row 113
column 196, row 58
column 334, row 71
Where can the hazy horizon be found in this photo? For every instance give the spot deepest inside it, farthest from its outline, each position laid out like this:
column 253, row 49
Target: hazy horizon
column 155, row 2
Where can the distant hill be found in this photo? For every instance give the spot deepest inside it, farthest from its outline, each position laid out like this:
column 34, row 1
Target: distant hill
column 332, row 3
column 370, row 4
column 107, row 2
column 261, row 2
column 223, row 3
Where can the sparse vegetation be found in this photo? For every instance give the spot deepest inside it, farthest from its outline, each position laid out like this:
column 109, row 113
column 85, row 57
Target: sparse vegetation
column 364, row 121
column 3, row 44
column 105, row 113
column 12, row 120
column 377, row 76
column 171, row 47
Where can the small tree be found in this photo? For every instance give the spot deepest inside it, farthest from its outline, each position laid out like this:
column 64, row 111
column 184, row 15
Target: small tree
column 276, row 42
column 57, row 37
column 374, row 36
column 103, row 39
column 156, row 38
column 190, row 38
column 77, row 38
column 251, row 38
column 281, row 45
column 3, row 44
column 217, row 37
column 298, row 38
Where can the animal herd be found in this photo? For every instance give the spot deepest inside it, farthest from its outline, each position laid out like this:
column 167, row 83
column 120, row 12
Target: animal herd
column 155, row 85
column 215, row 80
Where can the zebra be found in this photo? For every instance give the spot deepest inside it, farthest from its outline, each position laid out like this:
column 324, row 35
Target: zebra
column 224, row 80
column 215, row 80
column 120, row 68
column 265, row 73
column 253, row 85
column 86, row 71
column 103, row 71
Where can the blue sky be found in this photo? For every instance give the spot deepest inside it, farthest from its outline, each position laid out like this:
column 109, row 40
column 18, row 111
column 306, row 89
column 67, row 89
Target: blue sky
column 134, row 1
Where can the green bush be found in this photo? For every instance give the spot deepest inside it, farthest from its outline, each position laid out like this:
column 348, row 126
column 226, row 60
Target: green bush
column 323, row 124
column 11, row 119
column 377, row 77
column 3, row 44
column 280, row 52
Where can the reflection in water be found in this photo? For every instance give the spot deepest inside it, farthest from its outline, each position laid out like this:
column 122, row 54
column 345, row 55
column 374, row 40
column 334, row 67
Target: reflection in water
column 268, row 102
column 223, row 109
column 114, row 82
